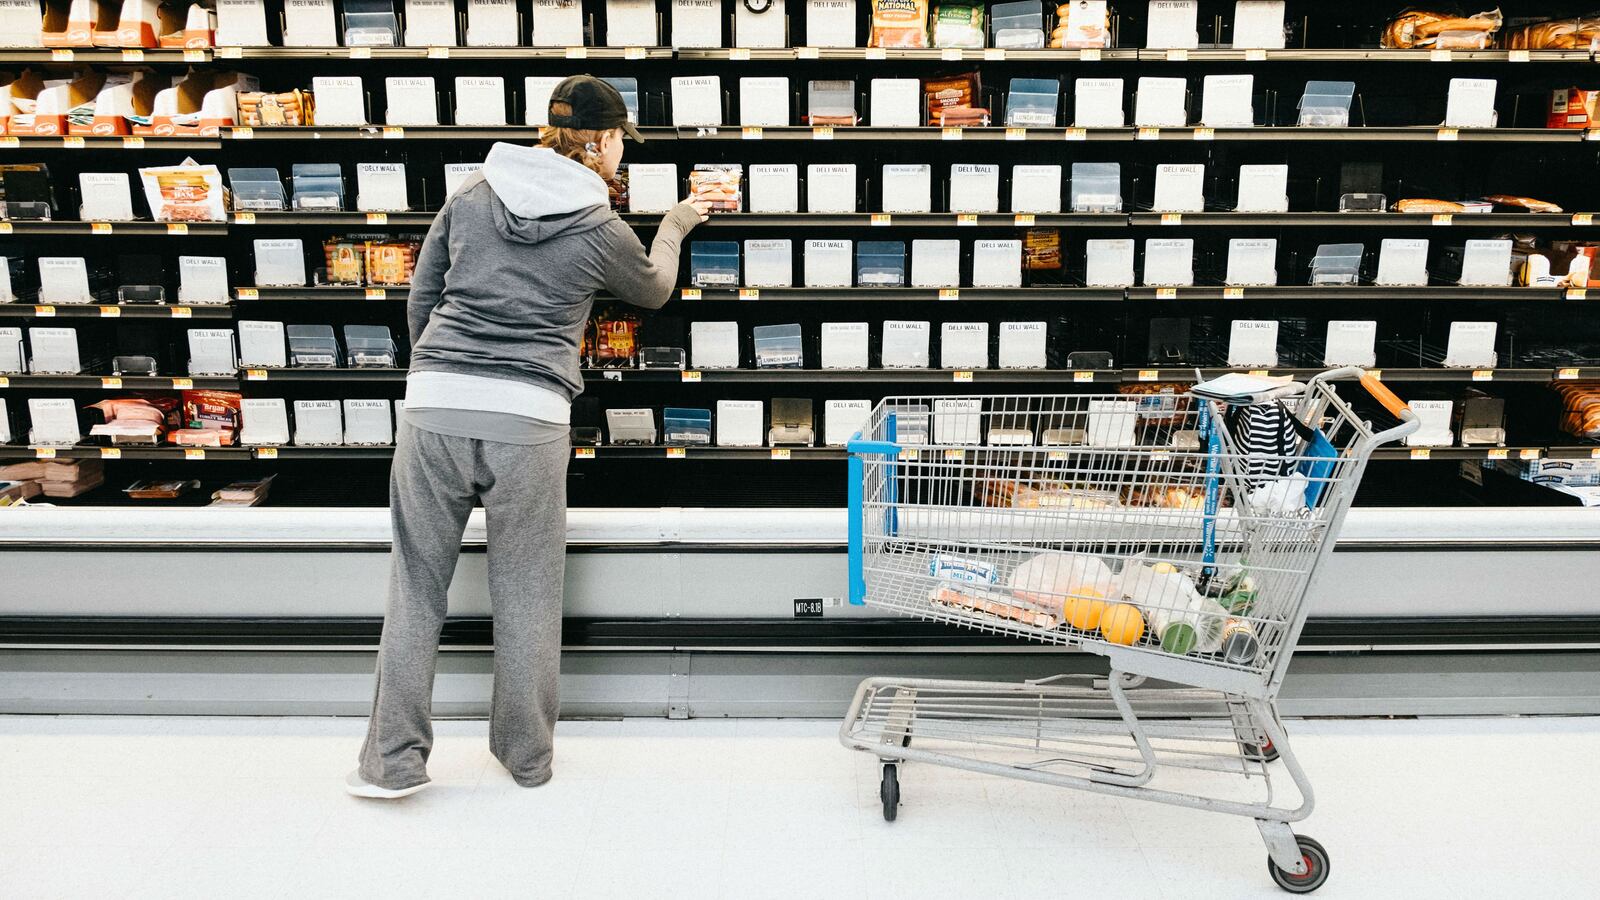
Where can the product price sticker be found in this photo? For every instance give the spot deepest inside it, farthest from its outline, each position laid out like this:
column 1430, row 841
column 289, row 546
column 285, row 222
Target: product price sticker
column 676, row 453
column 822, row 133
column 967, row 219
column 110, row 452
column 949, row 293
column 133, row 143
column 749, row 293
column 583, row 453
column 5, row 227
column 1256, row 55
column 1499, row 453
column 360, row 52
column 691, row 376
column 955, row 453
column 438, row 52
column 909, row 454
column 393, row 133
column 1421, row 452
column 194, row 453
column 1023, row 220
column 1577, row 293
column 1583, row 219
column 952, row 133
column 1148, row 134
column 111, row 384
column 230, row 53
column 1528, row 453
column 1519, row 56
column 881, row 219
column 951, row 54
column 1075, row 134
column 1172, row 218
column 1177, row 55
column 1449, row 134
column 182, row 312
column 132, row 55
column 374, row 218
column 242, row 134
column 1083, row 377
column 244, row 218
column 182, row 384
column 1205, row 134
column 10, row 142
column 99, row 227
column 177, row 228
column 266, row 453
column 739, row 54
column 1089, row 54
column 44, row 453
column 752, row 133
column 44, row 312
column 876, row 53
column 807, row 53
column 780, row 452
column 61, row 54
column 1594, row 453
column 5, row 382
column 1482, row 374
column 247, row 294
column 994, row 54
column 1057, row 455
column 110, row 312
column 1233, row 293
column 1167, row 293
column 1016, row 134
column 255, row 374
column 690, row 294
column 1566, row 374
column 961, row 375
column 72, row 142
column 632, row 53
column 1444, row 219
column 1149, row 375
column 1440, row 56
column 1259, row 373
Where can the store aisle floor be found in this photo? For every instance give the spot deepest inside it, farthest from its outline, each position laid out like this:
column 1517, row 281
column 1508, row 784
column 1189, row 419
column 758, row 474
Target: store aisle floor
column 237, row 808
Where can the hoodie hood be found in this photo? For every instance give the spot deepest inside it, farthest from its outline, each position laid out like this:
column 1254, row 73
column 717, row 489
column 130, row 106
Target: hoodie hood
column 541, row 193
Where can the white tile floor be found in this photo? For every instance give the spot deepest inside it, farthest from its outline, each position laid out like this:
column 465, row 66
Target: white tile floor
column 240, row 808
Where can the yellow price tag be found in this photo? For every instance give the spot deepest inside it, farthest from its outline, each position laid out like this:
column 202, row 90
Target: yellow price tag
column 132, row 55
column 949, row 293
column 99, row 227
column 1256, row 55
column 1233, row 293
column 1528, row 453
column 583, row 452
column 44, row 453
column 1258, row 373
column 876, row 53
column 881, row 219
column 749, row 293
column 1449, row 134
column 194, row 453
column 244, row 218
column 633, row 53
column 245, row 133
column 247, row 293
column 1016, row 134
column 994, row 54
column 44, row 312
column 955, row 453
column 1577, row 293
column 1177, row 54
column 393, row 133
column 5, row 381
column 1089, row 54
column 1499, row 453
column 1595, row 453
column 1167, row 293
column 266, row 453
column 110, row 453
column 1149, row 375
column 377, row 218
column 1440, row 56
column 1148, row 134
column 110, row 312
column 739, row 54
column 822, row 133
column 377, row 294
column 194, row 56
column 961, row 375
column 1444, row 219
column 360, row 52
column 255, row 374
column 807, row 53
column 1075, row 134
column 780, row 452
column 967, row 219
column 5, row 227
column 132, row 143
column 10, row 142
column 951, row 54
column 438, row 52
column 690, row 376
column 1172, row 218
column 177, row 228
column 1567, row 374
column 676, row 453
column 951, row 133
column 1205, row 134
column 61, row 54
column 230, row 52
column 1583, row 218
column 1482, row 374
column 1421, row 452
column 752, row 133
column 111, row 384
column 1083, row 377
column 690, row 294
column 1519, row 56
column 1023, row 220
column 182, row 384
column 182, row 312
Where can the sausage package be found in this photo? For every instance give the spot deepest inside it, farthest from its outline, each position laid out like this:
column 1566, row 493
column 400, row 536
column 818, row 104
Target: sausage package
column 953, row 101
column 900, row 24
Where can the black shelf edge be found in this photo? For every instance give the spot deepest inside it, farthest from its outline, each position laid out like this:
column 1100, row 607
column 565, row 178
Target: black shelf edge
column 115, row 311
column 446, row 52
column 852, row 633
column 878, row 376
column 273, row 294
column 118, row 382
column 846, row 294
column 341, row 219
column 103, row 55
column 1374, row 54
column 1387, row 374
column 1358, row 219
column 109, row 229
column 351, row 375
column 192, row 454
column 896, row 220
column 1335, row 293
column 106, row 142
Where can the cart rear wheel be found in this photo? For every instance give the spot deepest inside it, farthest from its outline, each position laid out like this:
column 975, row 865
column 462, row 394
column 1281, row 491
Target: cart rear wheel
column 1267, row 751
column 889, row 791
column 1316, row 868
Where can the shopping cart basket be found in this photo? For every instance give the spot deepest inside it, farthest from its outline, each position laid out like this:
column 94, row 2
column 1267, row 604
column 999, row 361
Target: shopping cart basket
column 1175, row 535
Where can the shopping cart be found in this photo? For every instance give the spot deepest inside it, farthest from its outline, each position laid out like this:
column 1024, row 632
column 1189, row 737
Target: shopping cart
column 1150, row 529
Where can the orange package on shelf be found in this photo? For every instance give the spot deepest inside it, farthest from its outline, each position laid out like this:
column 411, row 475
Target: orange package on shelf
column 138, row 23
column 1580, row 415
column 1579, row 33
column 194, row 29
column 900, row 24
column 75, row 23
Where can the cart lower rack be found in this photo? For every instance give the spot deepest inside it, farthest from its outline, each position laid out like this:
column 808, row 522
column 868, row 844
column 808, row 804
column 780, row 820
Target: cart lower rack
column 1175, row 534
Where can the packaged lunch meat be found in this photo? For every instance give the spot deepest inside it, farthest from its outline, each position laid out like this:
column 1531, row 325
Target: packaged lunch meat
column 210, row 418
column 1426, row 29
column 958, row 25
column 720, row 184
column 1041, row 250
column 953, row 101
column 1437, row 207
column 901, row 24
column 1579, row 33
column 258, row 109
column 1081, row 24
column 1523, row 203
column 184, row 193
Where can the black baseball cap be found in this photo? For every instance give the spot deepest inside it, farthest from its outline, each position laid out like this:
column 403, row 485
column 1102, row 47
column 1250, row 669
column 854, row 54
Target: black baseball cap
column 594, row 106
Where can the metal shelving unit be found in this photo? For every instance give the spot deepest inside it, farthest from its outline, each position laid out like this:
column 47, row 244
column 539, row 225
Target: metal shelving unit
column 118, row 382
column 114, row 311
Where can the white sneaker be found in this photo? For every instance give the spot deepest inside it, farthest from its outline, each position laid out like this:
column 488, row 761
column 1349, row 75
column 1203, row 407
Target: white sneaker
column 356, row 786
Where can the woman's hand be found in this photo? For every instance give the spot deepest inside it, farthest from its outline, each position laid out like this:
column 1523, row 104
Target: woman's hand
column 702, row 208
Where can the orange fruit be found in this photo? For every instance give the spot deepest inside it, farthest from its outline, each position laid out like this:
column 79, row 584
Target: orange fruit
column 1122, row 624
column 1084, row 608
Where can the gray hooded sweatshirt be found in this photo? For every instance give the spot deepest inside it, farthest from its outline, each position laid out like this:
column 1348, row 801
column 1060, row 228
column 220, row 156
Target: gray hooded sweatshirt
column 506, row 279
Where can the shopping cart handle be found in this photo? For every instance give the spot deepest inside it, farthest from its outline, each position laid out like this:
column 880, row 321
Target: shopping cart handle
column 1382, row 394
column 858, row 447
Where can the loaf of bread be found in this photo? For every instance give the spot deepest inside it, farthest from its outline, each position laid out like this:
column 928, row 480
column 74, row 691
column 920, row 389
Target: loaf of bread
column 1419, row 29
column 1557, row 34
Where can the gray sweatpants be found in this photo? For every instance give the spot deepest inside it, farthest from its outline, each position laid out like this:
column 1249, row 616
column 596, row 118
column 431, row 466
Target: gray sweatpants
column 432, row 489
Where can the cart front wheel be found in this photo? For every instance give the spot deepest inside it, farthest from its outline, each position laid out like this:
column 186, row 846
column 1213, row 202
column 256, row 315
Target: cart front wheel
column 1316, row 859
column 1267, row 751
column 889, row 792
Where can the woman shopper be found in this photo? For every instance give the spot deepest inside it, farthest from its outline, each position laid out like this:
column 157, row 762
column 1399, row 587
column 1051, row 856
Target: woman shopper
column 499, row 301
